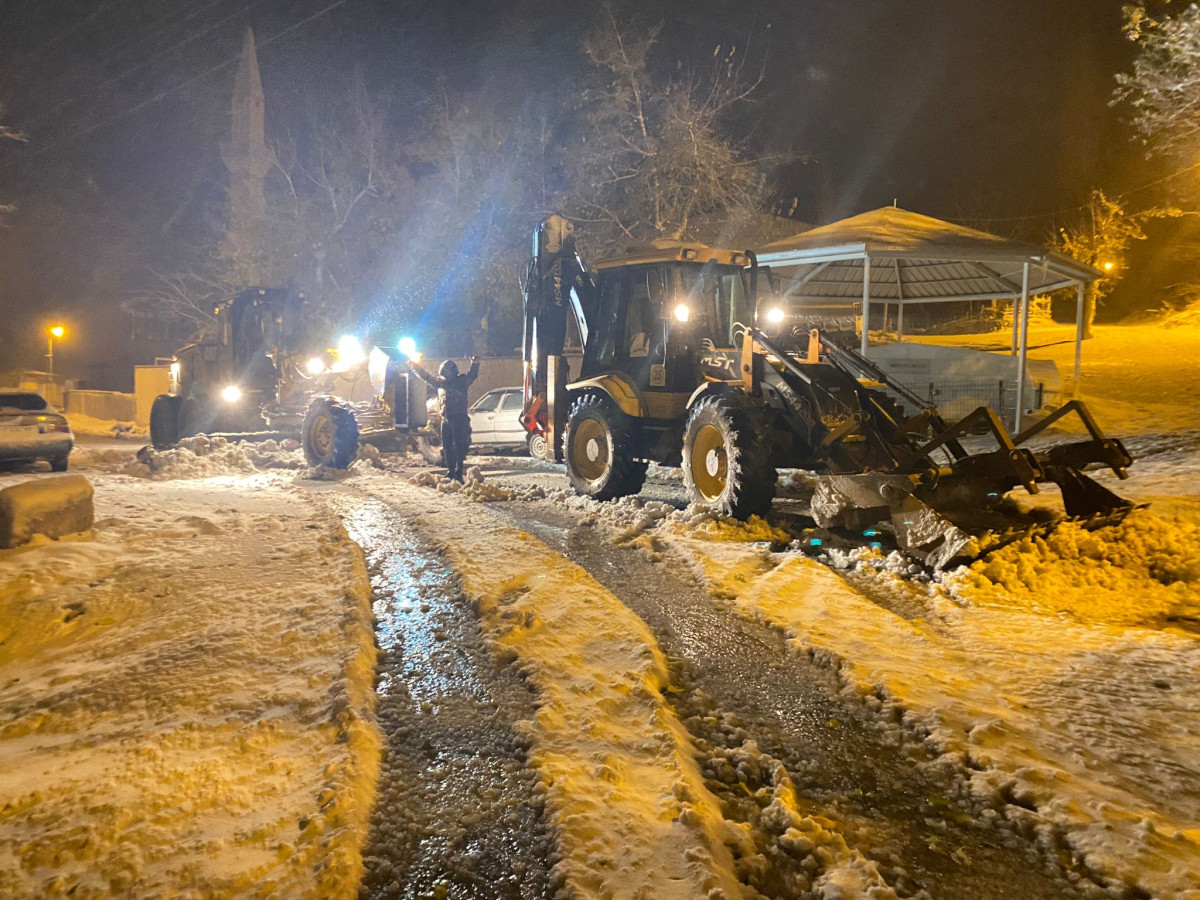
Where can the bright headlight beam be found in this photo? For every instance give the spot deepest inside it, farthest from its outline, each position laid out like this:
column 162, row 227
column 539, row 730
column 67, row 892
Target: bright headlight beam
column 408, row 347
column 350, row 353
column 683, row 312
column 774, row 315
column 315, row 366
column 231, row 394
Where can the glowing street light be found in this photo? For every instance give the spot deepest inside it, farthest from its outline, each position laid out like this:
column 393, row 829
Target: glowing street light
column 55, row 331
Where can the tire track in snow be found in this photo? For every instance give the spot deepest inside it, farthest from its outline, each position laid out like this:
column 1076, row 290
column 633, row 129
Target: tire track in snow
column 913, row 817
column 455, row 813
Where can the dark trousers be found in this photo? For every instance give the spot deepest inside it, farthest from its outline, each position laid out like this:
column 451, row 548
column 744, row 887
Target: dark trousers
column 456, row 440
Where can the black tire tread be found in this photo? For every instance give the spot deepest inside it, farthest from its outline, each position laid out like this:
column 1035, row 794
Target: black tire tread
column 751, row 472
column 626, row 474
column 345, row 426
column 164, row 421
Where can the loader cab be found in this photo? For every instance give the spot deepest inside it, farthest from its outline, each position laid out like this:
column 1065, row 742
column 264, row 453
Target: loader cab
column 655, row 311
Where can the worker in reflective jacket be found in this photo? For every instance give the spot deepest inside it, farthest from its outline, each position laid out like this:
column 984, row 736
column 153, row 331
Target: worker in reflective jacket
column 456, row 424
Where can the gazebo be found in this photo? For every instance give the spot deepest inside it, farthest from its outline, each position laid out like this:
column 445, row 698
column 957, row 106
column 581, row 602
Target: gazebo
column 893, row 256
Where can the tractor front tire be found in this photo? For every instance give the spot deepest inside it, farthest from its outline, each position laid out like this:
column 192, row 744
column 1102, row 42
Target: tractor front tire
column 164, row 421
column 726, row 460
column 599, row 443
column 330, row 434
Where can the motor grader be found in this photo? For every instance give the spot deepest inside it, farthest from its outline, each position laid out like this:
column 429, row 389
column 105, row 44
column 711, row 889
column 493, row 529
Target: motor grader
column 269, row 371
column 676, row 369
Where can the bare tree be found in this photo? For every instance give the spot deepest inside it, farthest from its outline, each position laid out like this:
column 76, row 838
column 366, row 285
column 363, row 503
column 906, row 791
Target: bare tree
column 182, row 297
column 9, row 134
column 1163, row 89
column 656, row 160
column 1102, row 238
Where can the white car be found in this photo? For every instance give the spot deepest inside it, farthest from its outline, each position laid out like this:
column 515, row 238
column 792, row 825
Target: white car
column 30, row 430
column 495, row 420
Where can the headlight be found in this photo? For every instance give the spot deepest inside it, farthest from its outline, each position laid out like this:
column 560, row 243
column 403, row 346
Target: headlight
column 231, row 394
column 774, row 315
column 408, row 347
column 350, row 353
column 315, row 366
column 683, row 312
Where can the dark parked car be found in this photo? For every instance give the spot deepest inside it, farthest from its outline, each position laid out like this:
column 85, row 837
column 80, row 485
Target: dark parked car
column 30, row 429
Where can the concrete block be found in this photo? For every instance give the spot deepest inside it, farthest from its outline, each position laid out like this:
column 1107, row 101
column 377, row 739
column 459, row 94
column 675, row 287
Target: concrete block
column 50, row 506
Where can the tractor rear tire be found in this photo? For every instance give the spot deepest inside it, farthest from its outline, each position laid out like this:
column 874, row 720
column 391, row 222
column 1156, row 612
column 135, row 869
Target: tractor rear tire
column 164, row 421
column 599, row 443
column 330, row 434
column 726, row 458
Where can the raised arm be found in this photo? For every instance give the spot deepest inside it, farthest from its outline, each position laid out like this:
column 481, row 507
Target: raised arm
column 434, row 381
column 473, row 372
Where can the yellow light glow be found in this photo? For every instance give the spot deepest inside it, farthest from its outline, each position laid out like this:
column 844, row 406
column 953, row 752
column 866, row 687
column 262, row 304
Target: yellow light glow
column 58, row 331
column 683, row 312
column 231, row 394
column 1108, row 267
column 349, row 354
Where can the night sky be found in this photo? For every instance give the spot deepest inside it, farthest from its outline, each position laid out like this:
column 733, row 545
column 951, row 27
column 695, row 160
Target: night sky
column 993, row 114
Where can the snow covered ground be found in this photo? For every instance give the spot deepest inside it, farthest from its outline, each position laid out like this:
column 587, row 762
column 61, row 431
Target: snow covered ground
column 186, row 697
column 186, row 693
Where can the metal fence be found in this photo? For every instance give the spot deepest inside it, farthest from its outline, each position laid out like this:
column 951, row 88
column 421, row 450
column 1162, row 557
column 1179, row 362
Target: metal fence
column 108, row 405
column 957, row 398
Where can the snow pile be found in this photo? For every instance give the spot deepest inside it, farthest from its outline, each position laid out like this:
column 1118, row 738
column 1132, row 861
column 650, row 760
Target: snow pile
column 196, row 457
column 1094, row 726
column 186, row 701
column 1145, row 571
column 81, row 424
column 621, row 786
column 53, row 507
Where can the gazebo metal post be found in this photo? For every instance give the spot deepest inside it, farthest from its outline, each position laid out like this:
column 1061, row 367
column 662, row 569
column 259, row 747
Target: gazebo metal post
column 899, row 304
column 866, row 317
column 1080, row 290
column 1016, row 325
column 1024, row 348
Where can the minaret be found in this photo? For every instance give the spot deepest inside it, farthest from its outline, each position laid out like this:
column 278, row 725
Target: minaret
column 246, row 157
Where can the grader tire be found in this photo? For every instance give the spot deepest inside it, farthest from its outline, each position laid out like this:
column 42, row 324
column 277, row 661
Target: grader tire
column 164, row 421
column 330, row 434
column 430, row 448
column 726, row 459
column 598, row 445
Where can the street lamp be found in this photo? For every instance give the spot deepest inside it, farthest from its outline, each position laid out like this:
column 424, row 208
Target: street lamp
column 56, row 331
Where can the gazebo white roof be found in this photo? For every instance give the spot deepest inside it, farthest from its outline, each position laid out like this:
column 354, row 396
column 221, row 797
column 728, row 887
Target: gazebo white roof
column 892, row 255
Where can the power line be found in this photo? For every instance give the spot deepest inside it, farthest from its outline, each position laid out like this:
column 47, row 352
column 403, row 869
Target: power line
column 114, row 47
column 169, row 91
column 1070, row 209
column 141, row 65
